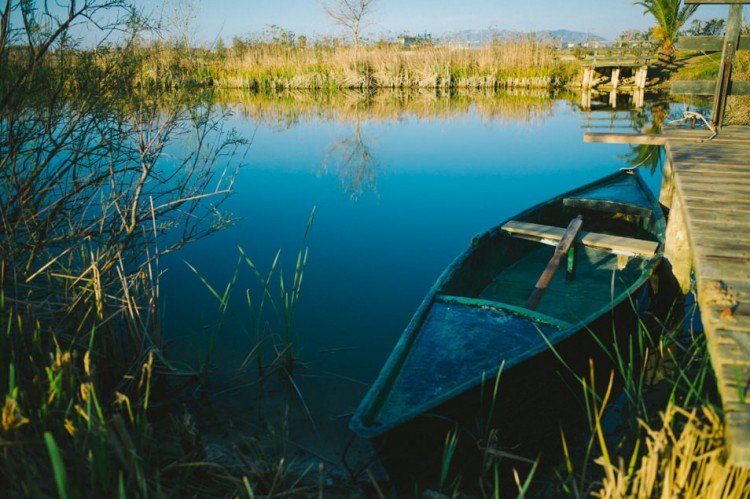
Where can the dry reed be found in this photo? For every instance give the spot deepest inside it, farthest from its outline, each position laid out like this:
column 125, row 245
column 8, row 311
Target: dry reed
column 521, row 62
column 686, row 458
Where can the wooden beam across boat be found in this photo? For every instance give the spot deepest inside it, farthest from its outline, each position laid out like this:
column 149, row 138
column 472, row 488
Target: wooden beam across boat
column 565, row 243
column 551, row 235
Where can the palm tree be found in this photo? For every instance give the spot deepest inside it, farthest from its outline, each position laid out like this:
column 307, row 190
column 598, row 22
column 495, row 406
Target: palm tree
column 670, row 16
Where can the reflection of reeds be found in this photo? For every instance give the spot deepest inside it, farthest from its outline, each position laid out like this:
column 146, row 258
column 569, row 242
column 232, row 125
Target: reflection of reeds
column 287, row 108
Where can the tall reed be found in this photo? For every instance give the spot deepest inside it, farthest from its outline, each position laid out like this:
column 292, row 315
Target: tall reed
column 679, row 451
column 88, row 203
column 519, row 62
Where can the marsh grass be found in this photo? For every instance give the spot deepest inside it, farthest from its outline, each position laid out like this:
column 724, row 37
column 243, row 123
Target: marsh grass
column 738, row 108
column 520, row 62
column 92, row 193
column 668, row 435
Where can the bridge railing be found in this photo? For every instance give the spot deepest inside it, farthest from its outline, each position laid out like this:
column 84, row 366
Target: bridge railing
column 616, row 54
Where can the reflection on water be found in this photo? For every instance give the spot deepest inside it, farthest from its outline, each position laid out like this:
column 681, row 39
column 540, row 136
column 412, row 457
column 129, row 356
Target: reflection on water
column 285, row 109
column 400, row 181
column 355, row 160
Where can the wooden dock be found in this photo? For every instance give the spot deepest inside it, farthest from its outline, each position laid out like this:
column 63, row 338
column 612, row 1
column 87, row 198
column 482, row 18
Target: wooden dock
column 613, row 60
column 707, row 188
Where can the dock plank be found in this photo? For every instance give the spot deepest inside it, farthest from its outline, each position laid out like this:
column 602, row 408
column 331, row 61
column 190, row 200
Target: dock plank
column 712, row 181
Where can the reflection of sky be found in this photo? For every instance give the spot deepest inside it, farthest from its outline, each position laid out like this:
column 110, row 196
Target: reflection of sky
column 372, row 260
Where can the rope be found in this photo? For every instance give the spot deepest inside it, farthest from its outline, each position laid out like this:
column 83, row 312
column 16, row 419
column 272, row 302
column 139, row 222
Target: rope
column 693, row 116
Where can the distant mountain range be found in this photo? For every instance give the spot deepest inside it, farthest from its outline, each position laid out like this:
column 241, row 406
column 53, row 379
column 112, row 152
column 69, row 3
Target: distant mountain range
column 484, row 36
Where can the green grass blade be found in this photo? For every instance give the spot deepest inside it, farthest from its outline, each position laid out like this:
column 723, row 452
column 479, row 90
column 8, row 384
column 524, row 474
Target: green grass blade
column 58, row 467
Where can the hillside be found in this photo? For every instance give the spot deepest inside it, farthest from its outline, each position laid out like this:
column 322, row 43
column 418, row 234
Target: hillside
column 480, row 37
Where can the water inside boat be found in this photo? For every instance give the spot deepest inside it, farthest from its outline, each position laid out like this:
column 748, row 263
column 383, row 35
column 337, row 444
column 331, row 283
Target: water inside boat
column 598, row 278
column 456, row 337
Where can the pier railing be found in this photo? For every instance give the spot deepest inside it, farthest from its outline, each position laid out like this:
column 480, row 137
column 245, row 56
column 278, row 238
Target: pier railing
column 617, row 54
column 728, row 45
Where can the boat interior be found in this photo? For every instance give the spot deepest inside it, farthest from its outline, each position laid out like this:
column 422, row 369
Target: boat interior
column 610, row 253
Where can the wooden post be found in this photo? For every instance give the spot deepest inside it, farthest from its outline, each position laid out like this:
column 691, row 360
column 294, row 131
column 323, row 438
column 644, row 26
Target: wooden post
column 641, row 74
column 731, row 41
column 587, row 72
column 677, row 248
column 639, row 97
column 615, row 78
column 586, row 98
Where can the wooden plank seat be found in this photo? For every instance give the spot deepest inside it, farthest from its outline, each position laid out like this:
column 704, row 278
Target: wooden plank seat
column 548, row 234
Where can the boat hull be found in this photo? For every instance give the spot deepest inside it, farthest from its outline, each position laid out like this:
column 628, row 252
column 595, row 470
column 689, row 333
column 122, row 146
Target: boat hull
column 506, row 429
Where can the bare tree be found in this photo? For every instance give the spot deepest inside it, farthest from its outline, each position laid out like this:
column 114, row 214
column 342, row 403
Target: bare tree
column 350, row 15
column 180, row 20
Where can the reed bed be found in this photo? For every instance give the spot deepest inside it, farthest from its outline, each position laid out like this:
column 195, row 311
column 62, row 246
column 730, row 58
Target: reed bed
column 685, row 457
column 522, row 62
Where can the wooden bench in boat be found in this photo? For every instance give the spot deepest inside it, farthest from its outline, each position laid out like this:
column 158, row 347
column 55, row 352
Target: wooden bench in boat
column 615, row 244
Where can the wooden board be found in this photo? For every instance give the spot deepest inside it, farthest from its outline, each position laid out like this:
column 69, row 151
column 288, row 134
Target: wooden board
column 709, row 43
column 551, row 235
column 712, row 182
column 625, row 138
column 566, row 241
column 707, row 87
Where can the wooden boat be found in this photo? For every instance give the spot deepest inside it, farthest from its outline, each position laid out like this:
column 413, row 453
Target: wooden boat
column 501, row 303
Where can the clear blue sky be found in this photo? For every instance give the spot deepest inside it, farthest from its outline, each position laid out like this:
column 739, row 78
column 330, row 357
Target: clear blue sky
column 607, row 18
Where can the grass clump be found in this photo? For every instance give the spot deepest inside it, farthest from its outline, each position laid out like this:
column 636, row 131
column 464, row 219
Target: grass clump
column 91, row 194
column 664, row 435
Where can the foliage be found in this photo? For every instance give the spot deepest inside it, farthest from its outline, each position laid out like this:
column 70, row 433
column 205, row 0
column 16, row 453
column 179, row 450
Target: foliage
column 92, row 192
column 712, row 27
column 670, row 16
column 634, row 36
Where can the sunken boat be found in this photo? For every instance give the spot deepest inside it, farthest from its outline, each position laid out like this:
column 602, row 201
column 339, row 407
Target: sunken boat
column 504, row 333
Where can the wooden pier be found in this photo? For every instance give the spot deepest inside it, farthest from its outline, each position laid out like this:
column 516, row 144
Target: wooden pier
column 707, row 188
column 614, row 59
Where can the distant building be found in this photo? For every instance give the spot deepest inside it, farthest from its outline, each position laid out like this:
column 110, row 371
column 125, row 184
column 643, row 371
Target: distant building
column 415, row 41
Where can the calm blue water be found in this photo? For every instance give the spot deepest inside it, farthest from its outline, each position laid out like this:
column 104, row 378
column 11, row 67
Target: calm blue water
column 431, row 184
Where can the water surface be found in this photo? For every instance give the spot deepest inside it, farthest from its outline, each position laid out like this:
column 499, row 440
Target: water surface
column 399, row 188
